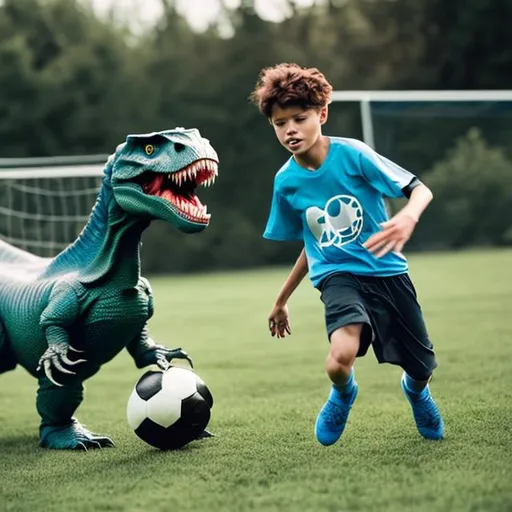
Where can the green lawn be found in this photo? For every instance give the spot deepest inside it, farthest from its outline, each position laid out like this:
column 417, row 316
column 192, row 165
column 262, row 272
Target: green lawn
column 267, row 394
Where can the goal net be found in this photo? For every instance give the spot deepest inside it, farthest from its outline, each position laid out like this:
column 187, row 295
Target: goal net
column 45, row 202
column 415, row 128
column 457, row 142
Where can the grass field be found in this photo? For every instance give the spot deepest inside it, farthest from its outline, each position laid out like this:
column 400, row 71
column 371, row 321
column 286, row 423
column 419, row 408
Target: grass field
column 267, row 394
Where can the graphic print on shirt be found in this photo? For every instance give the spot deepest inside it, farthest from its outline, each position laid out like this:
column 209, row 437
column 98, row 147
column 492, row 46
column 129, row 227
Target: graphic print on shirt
column 339, row 223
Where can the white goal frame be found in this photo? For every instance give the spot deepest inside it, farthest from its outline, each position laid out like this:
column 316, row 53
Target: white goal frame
column 52, row 167
column 47, row 168
column 365, row 98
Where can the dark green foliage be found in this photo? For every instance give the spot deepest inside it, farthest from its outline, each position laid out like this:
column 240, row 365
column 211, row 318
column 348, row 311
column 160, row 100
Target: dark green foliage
column 74, row 84
column 473, row 194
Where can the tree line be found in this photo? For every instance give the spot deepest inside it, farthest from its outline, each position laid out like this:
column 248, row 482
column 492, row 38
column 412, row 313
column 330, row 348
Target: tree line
column 73, row 83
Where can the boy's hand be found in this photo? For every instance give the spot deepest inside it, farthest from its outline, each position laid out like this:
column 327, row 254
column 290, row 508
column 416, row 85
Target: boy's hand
column 278, row 322
column 394, row 235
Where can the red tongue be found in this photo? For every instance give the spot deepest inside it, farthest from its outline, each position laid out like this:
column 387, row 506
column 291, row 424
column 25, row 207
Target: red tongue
column 155, row 185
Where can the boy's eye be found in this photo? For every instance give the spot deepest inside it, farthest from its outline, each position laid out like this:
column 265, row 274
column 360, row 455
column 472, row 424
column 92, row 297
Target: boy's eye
column 300, row 119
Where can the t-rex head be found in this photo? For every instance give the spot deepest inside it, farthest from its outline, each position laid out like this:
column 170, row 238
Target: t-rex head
column 156, row 174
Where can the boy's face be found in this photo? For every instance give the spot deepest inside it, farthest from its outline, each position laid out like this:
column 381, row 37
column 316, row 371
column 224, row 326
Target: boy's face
column 296, row 128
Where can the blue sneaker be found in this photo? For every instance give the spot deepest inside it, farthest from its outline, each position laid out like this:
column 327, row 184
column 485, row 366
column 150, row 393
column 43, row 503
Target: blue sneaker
column 332, row 419
column 426, row 414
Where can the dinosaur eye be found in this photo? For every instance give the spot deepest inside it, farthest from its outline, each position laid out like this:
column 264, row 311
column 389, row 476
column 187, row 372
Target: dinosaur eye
column 149, row 149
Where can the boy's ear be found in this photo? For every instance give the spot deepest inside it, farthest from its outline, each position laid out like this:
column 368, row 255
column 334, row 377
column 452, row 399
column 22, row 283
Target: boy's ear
column 324, row 114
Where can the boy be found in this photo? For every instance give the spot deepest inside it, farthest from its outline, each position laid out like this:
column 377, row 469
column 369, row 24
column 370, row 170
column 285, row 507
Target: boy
column 329, row 194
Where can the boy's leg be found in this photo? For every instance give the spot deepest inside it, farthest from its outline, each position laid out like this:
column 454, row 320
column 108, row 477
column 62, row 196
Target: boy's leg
column 408, row 345
column 332, row 419
column 429, row 421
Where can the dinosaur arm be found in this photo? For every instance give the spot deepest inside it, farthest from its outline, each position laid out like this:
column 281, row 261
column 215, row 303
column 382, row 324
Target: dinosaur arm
column 61, row 312
column 146, row 352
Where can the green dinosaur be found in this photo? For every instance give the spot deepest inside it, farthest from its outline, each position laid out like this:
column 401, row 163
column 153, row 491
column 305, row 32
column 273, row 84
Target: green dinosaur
column 62, row 318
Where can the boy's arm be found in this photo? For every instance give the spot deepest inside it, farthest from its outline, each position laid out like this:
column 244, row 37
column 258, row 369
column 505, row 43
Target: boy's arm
column 278, row 321
column 296, row 275
column 397, row 231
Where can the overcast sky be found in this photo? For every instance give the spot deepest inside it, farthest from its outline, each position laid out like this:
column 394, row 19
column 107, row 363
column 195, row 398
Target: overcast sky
column 198, row 12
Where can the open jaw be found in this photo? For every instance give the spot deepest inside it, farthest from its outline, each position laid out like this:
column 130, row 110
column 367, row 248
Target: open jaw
column 178, row 188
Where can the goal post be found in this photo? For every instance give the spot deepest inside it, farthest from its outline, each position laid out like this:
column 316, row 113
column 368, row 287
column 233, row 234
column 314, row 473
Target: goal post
column 45, row 202
column 366, row 98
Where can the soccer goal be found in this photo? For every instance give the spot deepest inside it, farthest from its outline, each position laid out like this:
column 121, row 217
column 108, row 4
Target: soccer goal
column 416, row 128
column 45, row 202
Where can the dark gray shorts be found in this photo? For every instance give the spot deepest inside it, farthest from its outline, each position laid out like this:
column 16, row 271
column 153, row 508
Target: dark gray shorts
column 391, row 316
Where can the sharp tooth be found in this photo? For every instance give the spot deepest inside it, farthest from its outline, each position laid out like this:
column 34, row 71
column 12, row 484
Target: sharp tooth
column 169, row 176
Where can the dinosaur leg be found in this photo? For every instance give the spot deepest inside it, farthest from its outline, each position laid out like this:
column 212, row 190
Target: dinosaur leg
column 7, row 359
column 59, row 429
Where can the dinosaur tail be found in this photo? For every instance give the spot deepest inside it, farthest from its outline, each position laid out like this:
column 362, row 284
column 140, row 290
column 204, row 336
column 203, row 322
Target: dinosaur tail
column 11, row 254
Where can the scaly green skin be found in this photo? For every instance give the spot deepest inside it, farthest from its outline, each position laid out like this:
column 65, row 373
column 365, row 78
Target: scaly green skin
column 63, row 318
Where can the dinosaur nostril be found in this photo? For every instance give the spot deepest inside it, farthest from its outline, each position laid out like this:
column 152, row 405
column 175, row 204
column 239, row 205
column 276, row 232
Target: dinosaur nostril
column 178, row 147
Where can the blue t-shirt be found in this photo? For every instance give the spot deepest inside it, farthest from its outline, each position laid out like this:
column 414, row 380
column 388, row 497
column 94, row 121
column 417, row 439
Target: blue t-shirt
column 336, row 208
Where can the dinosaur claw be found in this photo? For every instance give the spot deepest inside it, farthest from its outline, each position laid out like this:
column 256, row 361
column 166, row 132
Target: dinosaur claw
column 61, row 368
column 162, row 363
column 53, row 360
column 48, row 372
column 73, row 349
column 65, row 359
column 74, row 436
column 105, row 442
column 205, row 434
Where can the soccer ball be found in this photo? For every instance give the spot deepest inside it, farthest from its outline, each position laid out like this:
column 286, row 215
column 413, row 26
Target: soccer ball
column 168, row 409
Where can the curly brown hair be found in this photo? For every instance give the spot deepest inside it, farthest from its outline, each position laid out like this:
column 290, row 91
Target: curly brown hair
column 290, row 85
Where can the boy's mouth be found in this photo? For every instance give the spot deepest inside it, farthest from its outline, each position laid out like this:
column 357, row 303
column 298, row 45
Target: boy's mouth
column 293, row 143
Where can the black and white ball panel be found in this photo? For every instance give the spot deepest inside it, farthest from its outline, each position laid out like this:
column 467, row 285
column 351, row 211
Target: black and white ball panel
column 149, row 384
column 203, row 390
column 136, row 410
column 181, row 382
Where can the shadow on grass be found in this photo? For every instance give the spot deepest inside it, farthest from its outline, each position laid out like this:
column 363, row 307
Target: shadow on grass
column 18, row 443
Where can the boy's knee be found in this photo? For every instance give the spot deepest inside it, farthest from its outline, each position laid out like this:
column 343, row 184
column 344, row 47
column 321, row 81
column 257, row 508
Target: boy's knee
column 345, row 344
